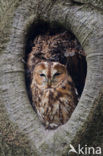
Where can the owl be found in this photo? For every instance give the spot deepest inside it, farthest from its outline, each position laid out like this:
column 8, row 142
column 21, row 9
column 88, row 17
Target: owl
column 55, row 74
column 53, row 93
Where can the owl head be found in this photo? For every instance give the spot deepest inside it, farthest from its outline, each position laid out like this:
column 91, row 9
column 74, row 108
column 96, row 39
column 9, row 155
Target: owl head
column 48, row 75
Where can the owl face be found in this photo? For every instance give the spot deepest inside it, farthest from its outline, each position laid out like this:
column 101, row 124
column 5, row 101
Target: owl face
column 48, row 75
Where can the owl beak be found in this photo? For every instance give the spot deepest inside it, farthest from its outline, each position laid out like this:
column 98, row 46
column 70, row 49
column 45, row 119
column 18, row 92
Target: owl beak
column 49, row 83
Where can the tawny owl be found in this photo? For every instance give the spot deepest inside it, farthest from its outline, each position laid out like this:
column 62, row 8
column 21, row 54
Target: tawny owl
column 53, row 93
column 51, row 63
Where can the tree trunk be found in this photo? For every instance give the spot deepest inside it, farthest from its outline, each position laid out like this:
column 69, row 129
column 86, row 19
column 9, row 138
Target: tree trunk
column 21, row 133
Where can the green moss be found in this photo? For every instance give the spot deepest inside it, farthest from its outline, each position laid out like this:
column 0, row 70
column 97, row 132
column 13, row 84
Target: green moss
column 12, row 142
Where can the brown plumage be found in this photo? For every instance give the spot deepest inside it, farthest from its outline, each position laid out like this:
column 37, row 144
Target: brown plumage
column 58, row 48
column 53, row 91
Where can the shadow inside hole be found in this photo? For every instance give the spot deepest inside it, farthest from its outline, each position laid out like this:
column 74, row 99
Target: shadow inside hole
column 73, row 56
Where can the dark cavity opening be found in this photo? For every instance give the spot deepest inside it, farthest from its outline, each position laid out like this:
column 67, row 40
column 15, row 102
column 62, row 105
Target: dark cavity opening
column 70, row 54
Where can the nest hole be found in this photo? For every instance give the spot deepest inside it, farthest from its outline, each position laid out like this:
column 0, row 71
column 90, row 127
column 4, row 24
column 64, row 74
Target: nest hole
column 68, row 52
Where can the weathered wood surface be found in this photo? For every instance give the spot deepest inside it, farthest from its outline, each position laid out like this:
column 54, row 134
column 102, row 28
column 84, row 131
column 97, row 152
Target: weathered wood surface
column 20, row 131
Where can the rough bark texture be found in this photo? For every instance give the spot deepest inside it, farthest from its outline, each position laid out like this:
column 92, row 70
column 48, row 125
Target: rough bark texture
column 95, row 3
column 21, row 133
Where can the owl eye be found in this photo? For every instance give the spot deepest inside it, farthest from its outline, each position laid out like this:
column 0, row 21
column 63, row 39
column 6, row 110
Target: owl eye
column 42, row 75
column 57, row 74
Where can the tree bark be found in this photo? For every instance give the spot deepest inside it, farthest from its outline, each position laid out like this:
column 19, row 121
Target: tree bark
column 21, row 133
